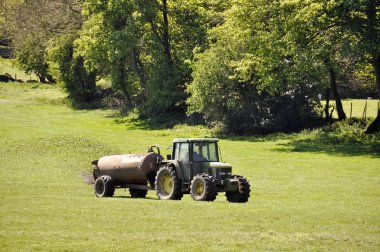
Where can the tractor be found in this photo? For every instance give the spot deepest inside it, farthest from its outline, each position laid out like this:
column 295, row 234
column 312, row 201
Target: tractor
column 193, row 168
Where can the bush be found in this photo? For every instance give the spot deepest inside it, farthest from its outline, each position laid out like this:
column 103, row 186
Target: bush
column 79, row 83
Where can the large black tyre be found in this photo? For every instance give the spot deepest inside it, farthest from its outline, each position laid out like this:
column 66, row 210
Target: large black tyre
column 167, row 184
column 203, row 188
column 137, row 193
column 104, row 186
column 243, row 192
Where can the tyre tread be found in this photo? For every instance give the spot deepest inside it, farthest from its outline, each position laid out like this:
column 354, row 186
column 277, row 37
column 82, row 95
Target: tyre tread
column 243, row 193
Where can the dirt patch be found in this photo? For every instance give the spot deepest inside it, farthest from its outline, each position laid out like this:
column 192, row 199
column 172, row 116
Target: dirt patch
column 5, row 101
column 88, row 178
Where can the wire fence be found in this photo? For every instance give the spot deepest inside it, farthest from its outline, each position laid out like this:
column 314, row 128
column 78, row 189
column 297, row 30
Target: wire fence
column 356, row 108
column 364, row 114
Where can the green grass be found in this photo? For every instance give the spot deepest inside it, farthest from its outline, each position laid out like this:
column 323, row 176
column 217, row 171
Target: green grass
column 310, row 191
column 9, row 66
column 358, row 106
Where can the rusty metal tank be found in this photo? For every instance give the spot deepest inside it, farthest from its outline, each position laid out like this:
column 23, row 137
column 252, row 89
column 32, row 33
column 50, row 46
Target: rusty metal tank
column 128, row 168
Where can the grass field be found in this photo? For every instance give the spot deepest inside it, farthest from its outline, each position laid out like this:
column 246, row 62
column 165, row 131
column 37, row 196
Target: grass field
column 310, row 191
column 358, row 106
column 8, row 66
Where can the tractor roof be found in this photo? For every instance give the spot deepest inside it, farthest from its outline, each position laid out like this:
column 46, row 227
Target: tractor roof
column 195, row 140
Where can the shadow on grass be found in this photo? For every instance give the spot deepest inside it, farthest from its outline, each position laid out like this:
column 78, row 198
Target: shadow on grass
column 336, row 144
column 344, row 138
column 157, row 122
column 129, row 197
column 259, row 138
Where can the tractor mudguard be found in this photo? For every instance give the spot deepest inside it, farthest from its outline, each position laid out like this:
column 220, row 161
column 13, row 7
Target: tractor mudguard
column 176, row 165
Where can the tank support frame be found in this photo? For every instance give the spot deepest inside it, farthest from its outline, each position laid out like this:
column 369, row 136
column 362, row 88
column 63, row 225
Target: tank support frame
column 135, row 186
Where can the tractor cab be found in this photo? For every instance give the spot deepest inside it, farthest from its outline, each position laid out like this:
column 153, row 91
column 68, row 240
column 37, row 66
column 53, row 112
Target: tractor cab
column 196, row 150
column 197, row 156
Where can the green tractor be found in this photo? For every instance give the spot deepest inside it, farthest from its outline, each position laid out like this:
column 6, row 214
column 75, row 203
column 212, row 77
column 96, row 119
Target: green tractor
column 194, row 167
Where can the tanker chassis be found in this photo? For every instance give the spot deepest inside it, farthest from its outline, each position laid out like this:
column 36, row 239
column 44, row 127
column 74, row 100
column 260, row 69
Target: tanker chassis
column 192, row 168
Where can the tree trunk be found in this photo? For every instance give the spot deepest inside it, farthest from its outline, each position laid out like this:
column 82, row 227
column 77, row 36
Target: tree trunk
column 42, row 78
column 89, row 82
column 327, row 105
column 376, row 66
column 165, row 35
column 371, row 36
column 138, row 69
column 334, row 89
column 90, row 79
column 122, row 81
column 50, row 78
column 375, row 125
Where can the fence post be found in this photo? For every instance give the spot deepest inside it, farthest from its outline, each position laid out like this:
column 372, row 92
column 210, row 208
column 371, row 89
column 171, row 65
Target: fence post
column 351, row 111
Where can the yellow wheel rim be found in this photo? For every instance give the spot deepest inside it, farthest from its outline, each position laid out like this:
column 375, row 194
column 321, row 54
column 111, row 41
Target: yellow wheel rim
column 199, row 188
column 167, row 184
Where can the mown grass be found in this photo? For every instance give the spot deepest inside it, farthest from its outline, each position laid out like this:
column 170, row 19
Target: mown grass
column 310, row 191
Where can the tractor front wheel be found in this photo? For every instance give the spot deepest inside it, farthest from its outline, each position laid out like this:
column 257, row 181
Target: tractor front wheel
column 242, row 194
column 203, row 188
column 104, row 186
column 167, row 185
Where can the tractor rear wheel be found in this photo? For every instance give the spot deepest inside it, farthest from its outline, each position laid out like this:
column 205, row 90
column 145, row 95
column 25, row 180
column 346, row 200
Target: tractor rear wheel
column 242, row 194
column 137, row 193
column 203, row 188
column 104, row 186
column 167, row 185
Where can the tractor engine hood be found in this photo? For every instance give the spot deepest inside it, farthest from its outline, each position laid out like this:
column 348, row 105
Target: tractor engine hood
column 218, row 165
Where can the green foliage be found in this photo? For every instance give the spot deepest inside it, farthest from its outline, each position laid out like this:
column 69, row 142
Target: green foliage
column 31, row 56
column 247, row 79
column 268, row 60
column 92, row 45
column 33, row 24
column 79, row 82
column 143, row 48
column 247, row 66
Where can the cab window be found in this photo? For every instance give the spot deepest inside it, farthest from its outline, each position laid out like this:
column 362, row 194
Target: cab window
column 205, row 152
column 181, row 152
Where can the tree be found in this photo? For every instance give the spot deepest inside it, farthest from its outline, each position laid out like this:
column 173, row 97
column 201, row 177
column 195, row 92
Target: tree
column 362, row 20
column 144, row 47
column 31, row 56
column 8, row 10
column 34, row 23
column 78, row 81
column 248, row 79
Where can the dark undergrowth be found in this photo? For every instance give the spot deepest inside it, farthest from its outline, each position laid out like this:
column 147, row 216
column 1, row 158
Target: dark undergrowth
column 345, row 138
column 134, row 120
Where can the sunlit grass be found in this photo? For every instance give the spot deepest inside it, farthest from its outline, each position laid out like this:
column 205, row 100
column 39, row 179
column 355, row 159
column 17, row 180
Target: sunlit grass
column 310, row 191
column 358, row 107
column 9, row 66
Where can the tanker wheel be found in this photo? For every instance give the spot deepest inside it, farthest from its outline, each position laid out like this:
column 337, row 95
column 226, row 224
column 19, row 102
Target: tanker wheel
column 137, row 193
column 104, row 186
column 203, row 188
column 242, row 194
column 168, row 186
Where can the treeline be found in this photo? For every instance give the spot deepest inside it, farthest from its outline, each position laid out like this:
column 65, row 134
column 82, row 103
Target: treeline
column 245, row 66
